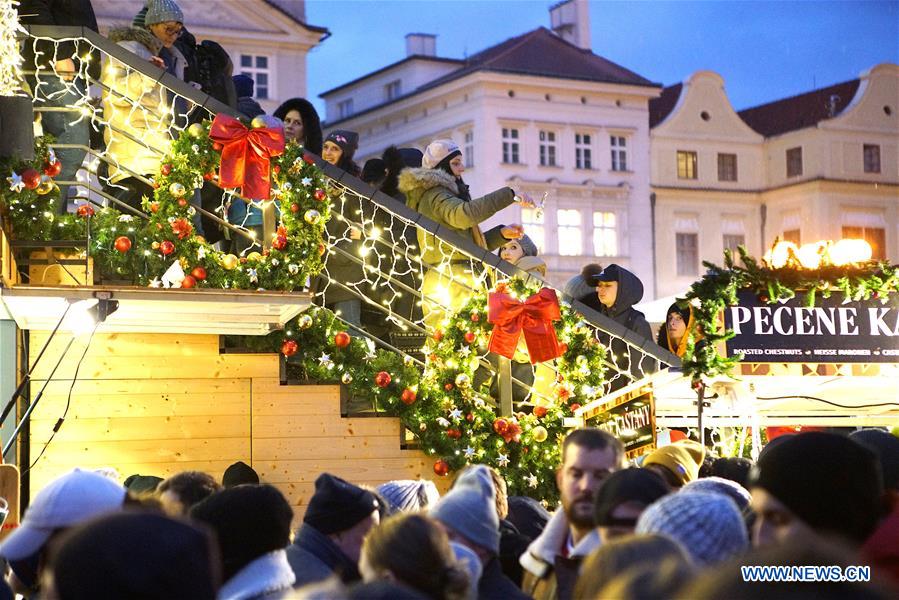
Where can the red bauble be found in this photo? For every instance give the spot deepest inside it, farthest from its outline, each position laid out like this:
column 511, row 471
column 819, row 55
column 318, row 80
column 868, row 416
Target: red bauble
column 500, row 426
column 123, row 244
column 199, row 273
column 470, row 337
column 166, row 169
column 539, row 411
column 294, row 208
column 276, row 169
column 453, row 433
column 469, row 417
column 382, row 379
column 308, row 158
column 321, row 249
column 154, row 207
column 437, row 335
column 441, row 467
column 52, row 169
column 216, row 146
column 166, row 247
column 208, row 176
column 289, row 347
column 574, row 407
column 342, row 339
column 182, row 202
column 448, row 387
column 280, row 242
column 408, row 396
column 85, row 210
column 243, row 260
column 319, row 195
column 189, row 281
column 563, row 347
column 475, row 317
column 31, row 178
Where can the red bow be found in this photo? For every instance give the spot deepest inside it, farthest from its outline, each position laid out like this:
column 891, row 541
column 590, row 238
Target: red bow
column 246, row 154
column 534, row 316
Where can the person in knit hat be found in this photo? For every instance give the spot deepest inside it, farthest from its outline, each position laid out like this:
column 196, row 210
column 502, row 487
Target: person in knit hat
column 622, row 499
column 708, row 526
column 819, row 482
column 468, row 512
column 246, row 103
column 725, row 487
column 329, row 542
column 409, row 495
column 523, row 254
column 240, row 473
column 438, row 192
column 677, row 463
column 339, row 149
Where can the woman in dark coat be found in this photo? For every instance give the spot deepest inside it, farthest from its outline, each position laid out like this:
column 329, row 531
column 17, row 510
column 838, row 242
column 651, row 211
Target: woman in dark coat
column 301, row 124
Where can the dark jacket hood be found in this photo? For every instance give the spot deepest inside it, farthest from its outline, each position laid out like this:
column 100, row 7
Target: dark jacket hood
column 630, row 288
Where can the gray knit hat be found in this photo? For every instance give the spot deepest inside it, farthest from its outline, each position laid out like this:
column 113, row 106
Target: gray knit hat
column 409, row 495
column 161, row 11
column 470, row 508
column 719, row 485
column 708, row 526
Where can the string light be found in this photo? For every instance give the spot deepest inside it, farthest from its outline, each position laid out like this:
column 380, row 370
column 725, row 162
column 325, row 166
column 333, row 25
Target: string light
column 10, row 58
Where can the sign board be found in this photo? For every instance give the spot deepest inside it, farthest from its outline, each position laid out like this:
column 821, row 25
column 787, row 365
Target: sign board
column 630, row 418
column 832, row 331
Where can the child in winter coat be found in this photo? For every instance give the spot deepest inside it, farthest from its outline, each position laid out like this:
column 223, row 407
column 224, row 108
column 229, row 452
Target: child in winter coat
column 523, row 254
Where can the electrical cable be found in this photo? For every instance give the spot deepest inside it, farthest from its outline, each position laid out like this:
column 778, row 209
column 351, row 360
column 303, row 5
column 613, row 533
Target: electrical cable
column 838, row 405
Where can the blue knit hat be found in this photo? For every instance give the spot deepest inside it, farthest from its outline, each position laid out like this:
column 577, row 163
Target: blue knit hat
column 409, row 495
column 470, row 508
column 708, row 526
column 719, row 485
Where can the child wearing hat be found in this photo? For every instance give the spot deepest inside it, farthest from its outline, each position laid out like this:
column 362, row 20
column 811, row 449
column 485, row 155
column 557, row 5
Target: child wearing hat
column 523, row 254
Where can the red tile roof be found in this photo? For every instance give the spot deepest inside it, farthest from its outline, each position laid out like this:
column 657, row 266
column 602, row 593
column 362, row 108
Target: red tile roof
column 799, row 112
column 661, row 107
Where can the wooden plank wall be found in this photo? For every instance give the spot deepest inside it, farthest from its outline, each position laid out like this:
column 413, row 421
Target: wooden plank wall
column 157, row 404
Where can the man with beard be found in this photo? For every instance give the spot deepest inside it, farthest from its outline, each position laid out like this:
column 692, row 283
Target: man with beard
column 552, row 561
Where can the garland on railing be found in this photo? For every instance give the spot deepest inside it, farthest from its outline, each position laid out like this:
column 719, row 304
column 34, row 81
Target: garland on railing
column 444, row 404
column 718, row 289
column 124, row 247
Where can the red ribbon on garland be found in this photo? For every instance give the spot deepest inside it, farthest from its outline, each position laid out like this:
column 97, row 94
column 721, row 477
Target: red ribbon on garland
column 246, row 155
column 534, row 317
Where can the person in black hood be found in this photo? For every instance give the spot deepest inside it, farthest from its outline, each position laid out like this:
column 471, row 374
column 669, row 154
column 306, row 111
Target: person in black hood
column 246, row 104
column 301, row 124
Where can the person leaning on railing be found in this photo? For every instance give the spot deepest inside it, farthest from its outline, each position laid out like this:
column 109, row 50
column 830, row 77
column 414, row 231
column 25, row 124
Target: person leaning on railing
column 438, row 192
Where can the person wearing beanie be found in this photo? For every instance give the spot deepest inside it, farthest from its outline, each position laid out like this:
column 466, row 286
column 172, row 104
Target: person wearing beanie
column 552, row 561
column 580, row 287
column 885, row 447
column 707, row 525
column 677, row 463
column 301, row 124
column 329, row 542
column 622, row 499
column 240, row 473
column 181, row 491
column 523, row 254
column 735, row 468
column 246, row 103
column 678, row 329
column 374, row 172
column 438, row 192
column 69, row 500
column 135, row 555
column 468, row 512
column 409, row 495
column 142, row 484
column 339, row 149
column 718, row 485
column 816, row 482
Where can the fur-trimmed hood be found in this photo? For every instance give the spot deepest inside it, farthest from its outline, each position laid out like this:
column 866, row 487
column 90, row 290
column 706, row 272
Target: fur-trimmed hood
column 425, row 179
column 126, row 33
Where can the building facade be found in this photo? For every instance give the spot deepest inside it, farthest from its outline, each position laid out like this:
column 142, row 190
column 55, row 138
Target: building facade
column 540, row 113
column 823, row 165
column 266, row 39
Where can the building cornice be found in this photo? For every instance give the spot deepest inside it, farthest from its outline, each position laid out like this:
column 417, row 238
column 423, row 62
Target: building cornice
column 718, row 190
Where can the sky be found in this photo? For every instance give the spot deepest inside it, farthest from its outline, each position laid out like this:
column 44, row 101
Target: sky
column 765, row 50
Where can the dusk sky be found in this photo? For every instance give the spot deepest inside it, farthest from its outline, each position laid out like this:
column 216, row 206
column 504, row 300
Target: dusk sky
column 764, row 50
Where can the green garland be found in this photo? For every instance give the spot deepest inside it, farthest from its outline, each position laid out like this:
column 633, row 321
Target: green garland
column 454, row 420
column 718, row 289
column 126, row 248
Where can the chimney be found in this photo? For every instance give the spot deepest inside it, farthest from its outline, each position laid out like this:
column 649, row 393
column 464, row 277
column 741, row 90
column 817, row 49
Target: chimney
column 832, row 104
column 421, row 44
column 570, row 20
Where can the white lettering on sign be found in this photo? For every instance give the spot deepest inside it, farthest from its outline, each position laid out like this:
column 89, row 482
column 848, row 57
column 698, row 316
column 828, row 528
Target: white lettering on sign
column 803, row 320
column 879, row 326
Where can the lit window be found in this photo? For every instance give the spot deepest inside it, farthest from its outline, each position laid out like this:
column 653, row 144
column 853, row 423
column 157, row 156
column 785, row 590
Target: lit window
column 872, row 158
column 547, row 148
column 345, row 108
column 257, row 68
column 794, row 162
column 570, row 236
column 727, row 167
column 687, row 247
column 687, row 165
column 619, row 152
column 583, row 152
column 532, row 221
column 510, row 146
column 793, row 235
column 605, row 234
column 469, row 149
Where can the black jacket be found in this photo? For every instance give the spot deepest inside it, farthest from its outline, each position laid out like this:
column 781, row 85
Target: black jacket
column 67, row 13
column 314, row 557
column 494, row 585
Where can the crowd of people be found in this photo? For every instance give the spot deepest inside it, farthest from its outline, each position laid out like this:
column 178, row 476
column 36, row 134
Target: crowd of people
column 677, row 524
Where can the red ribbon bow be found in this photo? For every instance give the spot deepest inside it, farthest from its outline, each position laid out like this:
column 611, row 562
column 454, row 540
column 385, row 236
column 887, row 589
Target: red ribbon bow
column 246, row 155
column 534, row 317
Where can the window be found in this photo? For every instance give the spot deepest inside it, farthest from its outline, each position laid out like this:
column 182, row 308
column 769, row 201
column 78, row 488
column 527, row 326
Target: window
column 687, row 245
column 872, row 158
column 619, row 152
column 727, row 167
column 469, row 149
column 876, row 236
column 583, row 153
column 533, row 223
column 257, row 67
column 793, row 235
column 734, row 240
column 569, row 221
column 794, row 162
column 547, row 148
column 392, row 90
column 605, row 234
column 686, row 165
column 510, row 146
column 345, row 108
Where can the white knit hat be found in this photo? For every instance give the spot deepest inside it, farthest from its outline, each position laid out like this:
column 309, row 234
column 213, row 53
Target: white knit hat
column 437, row 151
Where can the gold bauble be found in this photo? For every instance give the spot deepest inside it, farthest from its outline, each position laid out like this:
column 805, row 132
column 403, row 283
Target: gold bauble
column 229, row 261
column 257, row 122
column 312, row 216
column 196, row 130
column 304, row 322
column 177, row 190
column 45, row 186
column 463, row 381
column 254, row 257
column 539, row 433
column 346, row 379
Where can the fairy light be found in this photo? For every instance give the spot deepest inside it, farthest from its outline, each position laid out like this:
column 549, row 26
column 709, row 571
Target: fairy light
column 10, row 58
